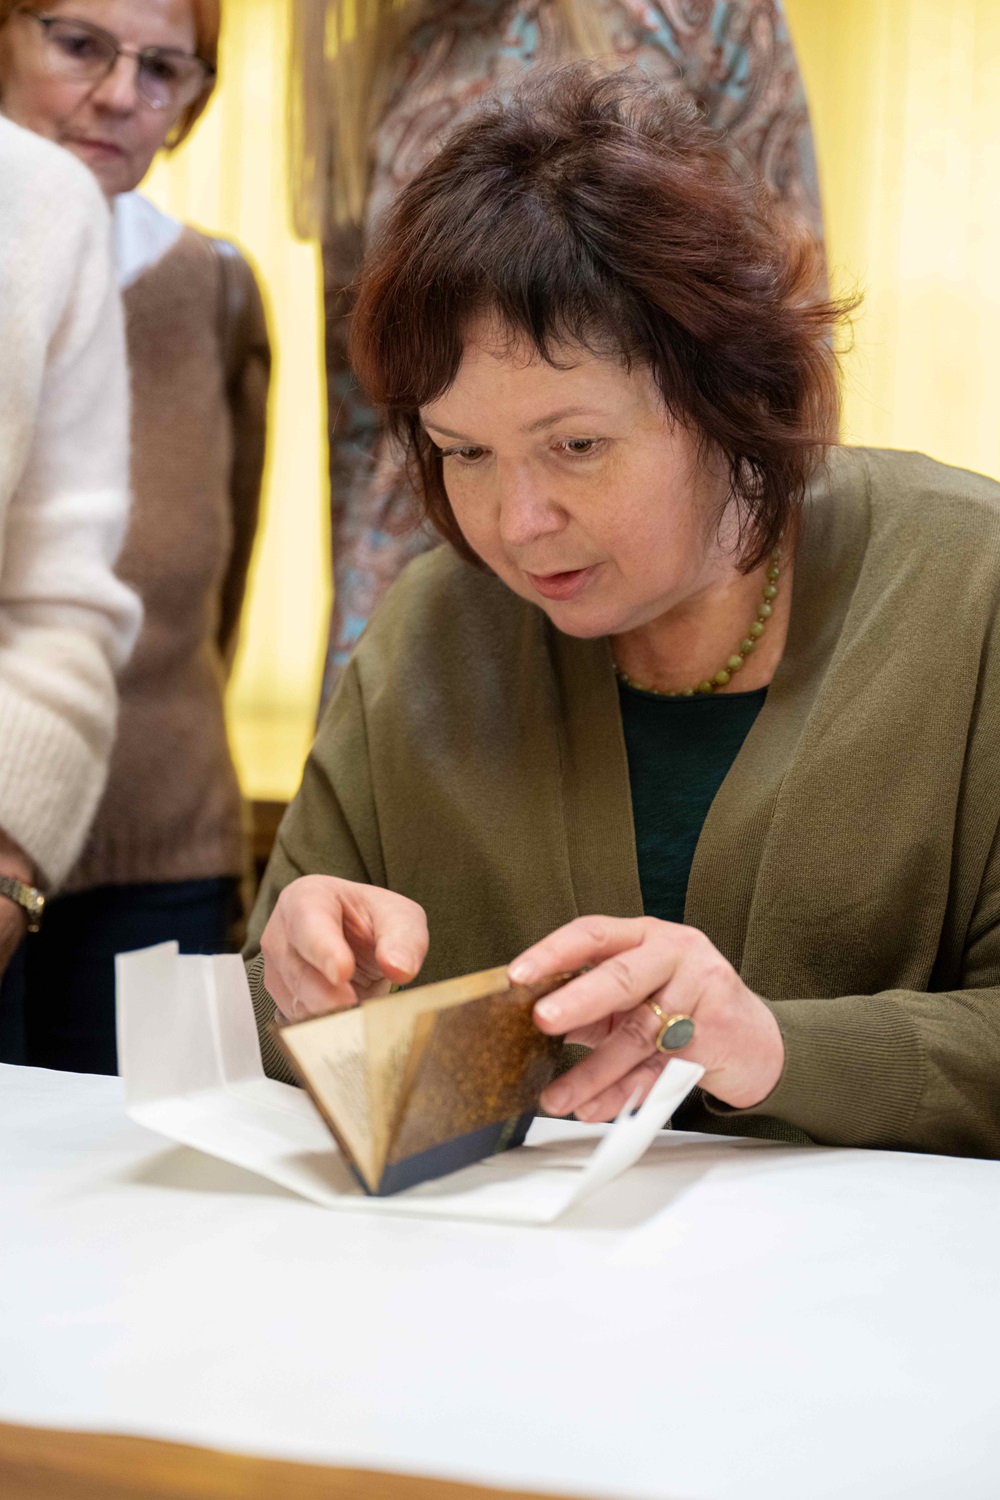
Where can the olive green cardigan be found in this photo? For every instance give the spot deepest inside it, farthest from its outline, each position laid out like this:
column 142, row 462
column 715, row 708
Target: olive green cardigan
column 849, row 868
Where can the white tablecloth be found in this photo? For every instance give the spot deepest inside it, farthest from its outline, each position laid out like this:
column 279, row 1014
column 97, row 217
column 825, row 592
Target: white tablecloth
column 732, row 1319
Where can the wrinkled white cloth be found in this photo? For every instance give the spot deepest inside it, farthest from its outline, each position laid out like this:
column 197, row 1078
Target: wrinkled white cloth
column 67, row 624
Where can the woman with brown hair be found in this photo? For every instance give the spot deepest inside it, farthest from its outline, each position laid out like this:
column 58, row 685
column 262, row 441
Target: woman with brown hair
column 114, row 82
column 693, row 700
column 378, row 84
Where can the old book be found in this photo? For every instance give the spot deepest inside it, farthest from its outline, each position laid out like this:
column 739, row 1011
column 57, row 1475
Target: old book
column 421, row 1083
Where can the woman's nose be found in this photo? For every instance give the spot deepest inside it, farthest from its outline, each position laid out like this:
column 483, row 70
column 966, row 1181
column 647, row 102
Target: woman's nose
column 117, row 90
column 527, row 510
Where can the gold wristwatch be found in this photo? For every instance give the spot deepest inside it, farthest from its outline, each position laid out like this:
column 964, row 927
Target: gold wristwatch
column 28, row 897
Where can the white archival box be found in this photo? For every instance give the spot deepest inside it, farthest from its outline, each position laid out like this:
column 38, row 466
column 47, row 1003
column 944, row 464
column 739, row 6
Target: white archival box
column 190, row 1060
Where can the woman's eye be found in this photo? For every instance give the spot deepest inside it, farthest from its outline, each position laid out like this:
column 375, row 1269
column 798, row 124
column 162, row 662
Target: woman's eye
column 77, row 45
column 581, row 447
column 468, row 455
column 159, row 69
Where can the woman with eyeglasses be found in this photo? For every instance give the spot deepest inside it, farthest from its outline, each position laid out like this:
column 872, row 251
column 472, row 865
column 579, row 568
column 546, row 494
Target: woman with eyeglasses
column 114, row 82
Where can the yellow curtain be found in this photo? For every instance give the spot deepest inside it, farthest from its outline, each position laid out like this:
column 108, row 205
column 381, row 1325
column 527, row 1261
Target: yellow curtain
column 905, row 96
column 230, row 179
column 905, row 99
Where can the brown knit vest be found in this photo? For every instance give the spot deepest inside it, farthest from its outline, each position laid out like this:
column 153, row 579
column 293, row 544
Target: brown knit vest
column 171, row 810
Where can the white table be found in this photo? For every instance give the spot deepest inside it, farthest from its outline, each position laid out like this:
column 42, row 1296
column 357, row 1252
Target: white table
column 733, row 1319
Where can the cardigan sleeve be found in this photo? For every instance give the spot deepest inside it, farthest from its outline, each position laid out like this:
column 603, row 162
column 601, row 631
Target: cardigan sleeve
column 906, row 1069
column 331, row 828
column 66, row 623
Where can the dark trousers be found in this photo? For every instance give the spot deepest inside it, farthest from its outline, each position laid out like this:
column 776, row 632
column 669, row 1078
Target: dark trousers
column 57, row 999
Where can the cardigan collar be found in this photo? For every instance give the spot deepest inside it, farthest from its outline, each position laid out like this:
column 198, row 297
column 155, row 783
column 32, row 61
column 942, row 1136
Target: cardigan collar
column 730, row 853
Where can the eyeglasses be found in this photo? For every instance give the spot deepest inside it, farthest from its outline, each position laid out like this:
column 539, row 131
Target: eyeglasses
column 165, row 77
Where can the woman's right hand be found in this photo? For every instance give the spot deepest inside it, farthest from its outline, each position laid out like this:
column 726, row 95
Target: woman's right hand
column 330, row 943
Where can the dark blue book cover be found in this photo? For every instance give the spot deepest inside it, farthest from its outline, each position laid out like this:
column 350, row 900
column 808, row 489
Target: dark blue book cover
column 450, row 1156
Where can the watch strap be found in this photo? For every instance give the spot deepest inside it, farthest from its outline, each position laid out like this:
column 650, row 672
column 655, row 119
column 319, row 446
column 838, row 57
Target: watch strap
column 28, row 897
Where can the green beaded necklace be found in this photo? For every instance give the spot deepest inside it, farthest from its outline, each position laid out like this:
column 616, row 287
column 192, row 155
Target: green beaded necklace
column 735, row 662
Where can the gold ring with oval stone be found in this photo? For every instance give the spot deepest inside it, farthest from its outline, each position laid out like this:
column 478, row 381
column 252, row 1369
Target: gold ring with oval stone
column 675, row 1031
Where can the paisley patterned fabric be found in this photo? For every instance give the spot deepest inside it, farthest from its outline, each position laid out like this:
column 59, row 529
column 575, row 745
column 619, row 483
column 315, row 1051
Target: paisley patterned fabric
column 733, row 56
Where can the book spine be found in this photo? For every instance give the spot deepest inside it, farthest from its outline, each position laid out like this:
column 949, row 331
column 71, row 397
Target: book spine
column 451, row 1156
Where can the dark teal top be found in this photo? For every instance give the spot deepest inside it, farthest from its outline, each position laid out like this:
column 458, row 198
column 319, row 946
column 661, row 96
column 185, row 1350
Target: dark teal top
column 679, row 751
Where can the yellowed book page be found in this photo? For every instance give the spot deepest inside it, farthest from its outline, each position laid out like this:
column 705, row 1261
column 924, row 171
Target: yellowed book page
column 329, row 1055
column 395, row 1045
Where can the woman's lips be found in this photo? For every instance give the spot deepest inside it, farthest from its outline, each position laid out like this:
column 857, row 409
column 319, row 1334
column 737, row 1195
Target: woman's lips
column 100, row 148
column 560, row 585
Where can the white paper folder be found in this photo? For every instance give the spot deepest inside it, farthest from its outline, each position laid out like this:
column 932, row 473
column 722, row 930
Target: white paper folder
column 190, row 1060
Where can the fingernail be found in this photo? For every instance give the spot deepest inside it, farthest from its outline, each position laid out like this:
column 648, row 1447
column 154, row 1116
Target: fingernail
column 548, row 1010
column 555, row 1100
column 404, row 962
column 523, row 971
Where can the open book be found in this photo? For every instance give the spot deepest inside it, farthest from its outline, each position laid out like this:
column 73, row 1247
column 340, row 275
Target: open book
column 421, row 1083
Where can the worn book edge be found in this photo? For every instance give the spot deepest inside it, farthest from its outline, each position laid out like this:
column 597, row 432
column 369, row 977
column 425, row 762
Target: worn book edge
column 359, row 1065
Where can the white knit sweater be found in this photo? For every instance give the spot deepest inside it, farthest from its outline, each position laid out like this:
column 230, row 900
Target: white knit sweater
column 66, row 623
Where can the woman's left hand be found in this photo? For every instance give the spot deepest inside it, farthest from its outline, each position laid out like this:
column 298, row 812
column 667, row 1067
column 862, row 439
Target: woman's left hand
column 629, row 961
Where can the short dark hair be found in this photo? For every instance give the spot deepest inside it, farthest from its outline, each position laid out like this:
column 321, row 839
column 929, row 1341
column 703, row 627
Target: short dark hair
column 600, row 210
